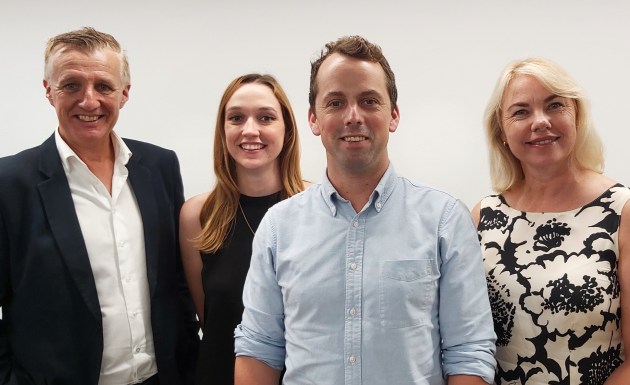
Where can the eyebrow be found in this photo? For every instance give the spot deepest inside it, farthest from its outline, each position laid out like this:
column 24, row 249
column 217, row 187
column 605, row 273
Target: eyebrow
column 336, row 94
column 524, row 104
column 264, row 108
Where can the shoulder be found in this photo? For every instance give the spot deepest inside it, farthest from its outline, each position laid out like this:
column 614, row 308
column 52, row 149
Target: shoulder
column 189, row 222
column 21, row 165
column 423, row 195
column 192, row 207
column 27, row 155
column 312, row 194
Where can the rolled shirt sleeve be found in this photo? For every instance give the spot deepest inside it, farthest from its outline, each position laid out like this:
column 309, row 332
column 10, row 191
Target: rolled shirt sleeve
column 261, row 332
column 466, row 327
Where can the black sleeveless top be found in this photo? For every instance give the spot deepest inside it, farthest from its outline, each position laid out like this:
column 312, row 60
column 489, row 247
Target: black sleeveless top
column 223, row 276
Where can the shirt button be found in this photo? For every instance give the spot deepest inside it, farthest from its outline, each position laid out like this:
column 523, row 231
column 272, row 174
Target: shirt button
column 379, row 205
column 355, row 224
column 353, row 312
column 352, row 360
column 353, row 265
column 137, row 350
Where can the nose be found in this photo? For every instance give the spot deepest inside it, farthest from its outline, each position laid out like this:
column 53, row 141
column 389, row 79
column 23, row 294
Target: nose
column 89, row 99
column 353, row 116
column 250, row 128
column 541, row 122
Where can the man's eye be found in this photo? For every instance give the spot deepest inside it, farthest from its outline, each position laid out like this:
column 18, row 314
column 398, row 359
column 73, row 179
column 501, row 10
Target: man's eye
column 70, row 87
column 104, row 88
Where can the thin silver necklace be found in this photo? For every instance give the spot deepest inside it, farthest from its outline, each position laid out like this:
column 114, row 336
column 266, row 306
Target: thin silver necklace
column 245, row 217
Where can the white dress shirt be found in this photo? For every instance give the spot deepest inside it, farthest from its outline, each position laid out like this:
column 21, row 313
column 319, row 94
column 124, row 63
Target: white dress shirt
column 113, row 233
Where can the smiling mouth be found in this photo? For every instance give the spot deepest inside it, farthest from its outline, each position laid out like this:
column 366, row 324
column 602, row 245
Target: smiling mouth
column 354, row 138
column 542, row 142
column 252, row 146
column 88, row 118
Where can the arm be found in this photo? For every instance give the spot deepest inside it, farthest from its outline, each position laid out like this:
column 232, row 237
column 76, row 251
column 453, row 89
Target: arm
column 465, row 380
column 622, row 373
column 261, row 334
column 6, row 376
column 476, row 214
column 465, row 318
column 190, row 337
column 189, row 228
column 250, row 371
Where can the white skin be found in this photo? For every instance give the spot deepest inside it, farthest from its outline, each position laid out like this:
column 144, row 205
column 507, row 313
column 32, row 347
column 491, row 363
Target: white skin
column 254, row 131
column 354, row 117
column 87, row 91
column 540, row 129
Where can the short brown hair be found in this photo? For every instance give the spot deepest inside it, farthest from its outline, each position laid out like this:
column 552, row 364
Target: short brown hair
column 358, row 48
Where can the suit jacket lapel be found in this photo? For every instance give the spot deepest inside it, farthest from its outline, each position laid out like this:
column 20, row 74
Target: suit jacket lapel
column 64, row 224
column 142, row 186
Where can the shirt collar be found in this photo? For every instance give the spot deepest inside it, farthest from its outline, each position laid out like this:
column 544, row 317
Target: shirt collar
column 378, row 198
column 68, row 156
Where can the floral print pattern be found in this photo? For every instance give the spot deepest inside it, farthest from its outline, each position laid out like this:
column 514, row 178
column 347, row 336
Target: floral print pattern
column 552, row 281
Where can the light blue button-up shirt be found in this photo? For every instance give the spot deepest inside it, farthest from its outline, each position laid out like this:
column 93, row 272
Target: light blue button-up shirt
column 395, row 294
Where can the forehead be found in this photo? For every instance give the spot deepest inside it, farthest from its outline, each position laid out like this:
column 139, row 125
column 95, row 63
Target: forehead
column 524, row 86
column 72, row 61
column 254, row 95
column 339, row 73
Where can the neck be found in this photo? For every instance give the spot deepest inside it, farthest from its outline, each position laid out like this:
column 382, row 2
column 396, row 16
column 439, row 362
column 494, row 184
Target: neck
column 255, row 183
column 100, row 161
column 559, row 192
column 355, row 187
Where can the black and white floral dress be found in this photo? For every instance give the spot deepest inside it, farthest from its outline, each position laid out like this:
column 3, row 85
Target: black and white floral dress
column 552, row 281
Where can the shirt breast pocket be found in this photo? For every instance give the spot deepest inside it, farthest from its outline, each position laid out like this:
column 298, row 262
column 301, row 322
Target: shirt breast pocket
column 406, row 290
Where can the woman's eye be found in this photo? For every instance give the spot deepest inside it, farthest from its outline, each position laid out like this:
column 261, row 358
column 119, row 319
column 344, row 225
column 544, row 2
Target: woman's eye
column 555, row 105
column 234, row 118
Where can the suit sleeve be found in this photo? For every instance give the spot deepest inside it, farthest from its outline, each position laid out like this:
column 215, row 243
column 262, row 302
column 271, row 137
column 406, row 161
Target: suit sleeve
column 187, row 309
column 6, row 376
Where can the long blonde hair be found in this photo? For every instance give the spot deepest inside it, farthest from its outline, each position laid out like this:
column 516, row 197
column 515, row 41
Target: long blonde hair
column 219, row 210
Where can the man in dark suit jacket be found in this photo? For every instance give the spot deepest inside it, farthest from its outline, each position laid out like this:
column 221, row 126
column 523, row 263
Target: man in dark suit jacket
column 76, row 309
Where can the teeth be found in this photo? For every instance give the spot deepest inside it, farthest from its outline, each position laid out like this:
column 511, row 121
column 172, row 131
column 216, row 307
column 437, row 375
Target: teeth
column 544, row 141
column 354, row 138
column 88, row 118
column 248, row 146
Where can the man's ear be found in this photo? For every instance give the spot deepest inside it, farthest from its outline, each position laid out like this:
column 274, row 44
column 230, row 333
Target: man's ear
column 48, row 89
column 393, row 124
column 125, row 95
column 312, row 121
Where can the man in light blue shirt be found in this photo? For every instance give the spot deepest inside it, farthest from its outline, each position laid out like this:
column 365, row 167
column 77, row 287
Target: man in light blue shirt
column 366, row 278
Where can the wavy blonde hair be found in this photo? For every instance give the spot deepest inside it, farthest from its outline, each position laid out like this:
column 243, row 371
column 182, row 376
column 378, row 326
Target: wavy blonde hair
column 219, row 210
column 505, row 168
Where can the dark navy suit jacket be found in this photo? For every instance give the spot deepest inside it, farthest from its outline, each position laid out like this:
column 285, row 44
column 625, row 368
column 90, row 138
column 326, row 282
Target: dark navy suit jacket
column 51, row 327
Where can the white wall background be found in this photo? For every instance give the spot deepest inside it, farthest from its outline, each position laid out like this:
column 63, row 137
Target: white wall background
column 446, row 56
